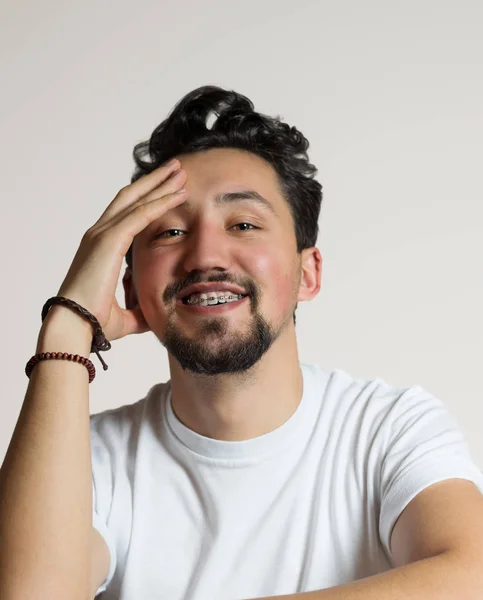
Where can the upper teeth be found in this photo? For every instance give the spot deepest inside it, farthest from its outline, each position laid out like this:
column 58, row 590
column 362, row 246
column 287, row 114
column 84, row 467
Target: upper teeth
column 212, row 298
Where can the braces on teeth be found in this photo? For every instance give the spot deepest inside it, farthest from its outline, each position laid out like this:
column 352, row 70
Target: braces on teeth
column 212, row 299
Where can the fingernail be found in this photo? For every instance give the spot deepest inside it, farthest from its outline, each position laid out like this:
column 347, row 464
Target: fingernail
column 172, row 162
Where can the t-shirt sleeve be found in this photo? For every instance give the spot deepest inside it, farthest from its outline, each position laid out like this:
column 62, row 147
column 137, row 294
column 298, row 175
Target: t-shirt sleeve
column 102, row 479
column 424, row 445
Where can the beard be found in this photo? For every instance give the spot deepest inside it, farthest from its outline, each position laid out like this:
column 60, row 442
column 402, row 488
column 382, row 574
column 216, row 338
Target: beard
column 220, row 352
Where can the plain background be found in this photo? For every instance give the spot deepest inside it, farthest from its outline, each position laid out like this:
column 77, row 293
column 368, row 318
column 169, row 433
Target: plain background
column 390, row 96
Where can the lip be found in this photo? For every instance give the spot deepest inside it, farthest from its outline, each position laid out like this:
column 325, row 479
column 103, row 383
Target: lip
column 214, row 309
column 205, row 288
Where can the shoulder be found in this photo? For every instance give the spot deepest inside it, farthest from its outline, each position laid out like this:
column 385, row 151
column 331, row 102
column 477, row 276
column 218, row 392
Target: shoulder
column 375, row 397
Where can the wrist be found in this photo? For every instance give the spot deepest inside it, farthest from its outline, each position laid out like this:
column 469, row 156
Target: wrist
column 64, row 330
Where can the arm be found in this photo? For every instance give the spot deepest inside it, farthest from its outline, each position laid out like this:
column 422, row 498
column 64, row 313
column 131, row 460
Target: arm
column 46, row 477
column 443, row 577
column 441, row 530
column 46, row 511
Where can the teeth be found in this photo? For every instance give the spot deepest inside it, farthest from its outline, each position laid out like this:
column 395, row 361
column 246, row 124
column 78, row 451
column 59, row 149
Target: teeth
column 213, row 298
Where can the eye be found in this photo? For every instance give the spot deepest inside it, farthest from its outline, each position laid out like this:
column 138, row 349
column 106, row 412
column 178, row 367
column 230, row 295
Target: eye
column 162, row 233
column 249, row 224
column 165, row 234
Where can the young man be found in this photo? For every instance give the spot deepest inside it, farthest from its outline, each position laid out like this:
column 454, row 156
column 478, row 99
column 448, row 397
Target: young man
column 249, row 474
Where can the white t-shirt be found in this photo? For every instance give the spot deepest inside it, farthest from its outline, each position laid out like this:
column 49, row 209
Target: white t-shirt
column 307, row 506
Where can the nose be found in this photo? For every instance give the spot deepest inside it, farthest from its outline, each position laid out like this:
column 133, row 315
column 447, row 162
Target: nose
column 207, row 249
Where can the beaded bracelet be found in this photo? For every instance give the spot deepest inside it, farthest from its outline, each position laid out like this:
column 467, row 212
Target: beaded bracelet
column 61, row 356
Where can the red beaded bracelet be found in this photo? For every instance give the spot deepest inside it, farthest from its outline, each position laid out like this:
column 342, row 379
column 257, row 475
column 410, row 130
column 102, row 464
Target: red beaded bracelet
column 61, row 356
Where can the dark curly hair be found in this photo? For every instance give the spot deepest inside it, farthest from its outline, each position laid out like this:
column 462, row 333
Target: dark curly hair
column 237, row 125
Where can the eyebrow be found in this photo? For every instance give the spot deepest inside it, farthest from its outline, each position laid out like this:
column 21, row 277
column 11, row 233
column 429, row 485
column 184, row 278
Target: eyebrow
column 238, row 196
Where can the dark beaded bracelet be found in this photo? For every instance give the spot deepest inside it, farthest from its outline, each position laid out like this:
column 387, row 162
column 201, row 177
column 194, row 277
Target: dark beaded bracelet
column 61, row 356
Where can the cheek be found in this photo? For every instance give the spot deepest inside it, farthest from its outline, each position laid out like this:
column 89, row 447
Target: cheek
column 151, row 281
column 276, row 279
column 148, row 281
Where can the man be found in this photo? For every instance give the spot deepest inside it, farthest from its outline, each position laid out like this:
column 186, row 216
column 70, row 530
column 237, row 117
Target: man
column 249, row 474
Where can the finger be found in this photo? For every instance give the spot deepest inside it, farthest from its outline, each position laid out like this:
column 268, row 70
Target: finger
column 134, row 191
column 171, row 186
column 125, row 229
column 145, row 184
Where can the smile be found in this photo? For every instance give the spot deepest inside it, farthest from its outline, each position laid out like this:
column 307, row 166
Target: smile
column 212, row 298
column 215, row 307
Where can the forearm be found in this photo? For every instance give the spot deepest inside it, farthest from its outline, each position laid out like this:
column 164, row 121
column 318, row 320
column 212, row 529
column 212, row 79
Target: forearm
column 46, row 477
column 444, row 577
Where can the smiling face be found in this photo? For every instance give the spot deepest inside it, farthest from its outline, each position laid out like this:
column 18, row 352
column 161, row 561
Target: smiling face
column 249, row 243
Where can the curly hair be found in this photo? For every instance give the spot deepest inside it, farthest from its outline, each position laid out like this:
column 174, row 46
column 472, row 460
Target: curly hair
column 237, row 125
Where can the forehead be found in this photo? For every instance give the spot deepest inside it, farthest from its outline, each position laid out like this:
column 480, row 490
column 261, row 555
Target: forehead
column 218, row 170
column 210, row 165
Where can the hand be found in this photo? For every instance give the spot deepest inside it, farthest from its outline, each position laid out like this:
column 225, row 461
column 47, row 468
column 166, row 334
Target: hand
column 93, row 275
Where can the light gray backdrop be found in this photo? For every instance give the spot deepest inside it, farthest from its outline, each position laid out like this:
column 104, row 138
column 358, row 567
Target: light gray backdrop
column 389, row 94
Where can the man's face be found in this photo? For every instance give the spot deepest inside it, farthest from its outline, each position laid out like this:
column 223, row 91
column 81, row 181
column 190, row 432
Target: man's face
column 242, row 242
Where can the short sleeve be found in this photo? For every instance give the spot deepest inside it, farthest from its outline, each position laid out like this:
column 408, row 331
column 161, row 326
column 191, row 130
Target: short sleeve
column 424, row 446
column 102, row 478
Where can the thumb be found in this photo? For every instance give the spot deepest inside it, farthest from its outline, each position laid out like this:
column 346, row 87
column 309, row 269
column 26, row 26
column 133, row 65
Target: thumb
column 134, row 321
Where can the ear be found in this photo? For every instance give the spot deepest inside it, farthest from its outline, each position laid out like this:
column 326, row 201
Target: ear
column 130, row 296
column 311, row 265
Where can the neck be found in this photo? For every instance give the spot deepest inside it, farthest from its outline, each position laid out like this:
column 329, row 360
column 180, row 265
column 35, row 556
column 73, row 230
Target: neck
column 236, row 407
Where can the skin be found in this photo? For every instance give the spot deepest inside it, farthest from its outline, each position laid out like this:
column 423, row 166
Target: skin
column 208, row 242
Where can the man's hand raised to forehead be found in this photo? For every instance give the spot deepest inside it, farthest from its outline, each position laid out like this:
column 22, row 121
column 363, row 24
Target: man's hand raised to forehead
column 93, row 275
